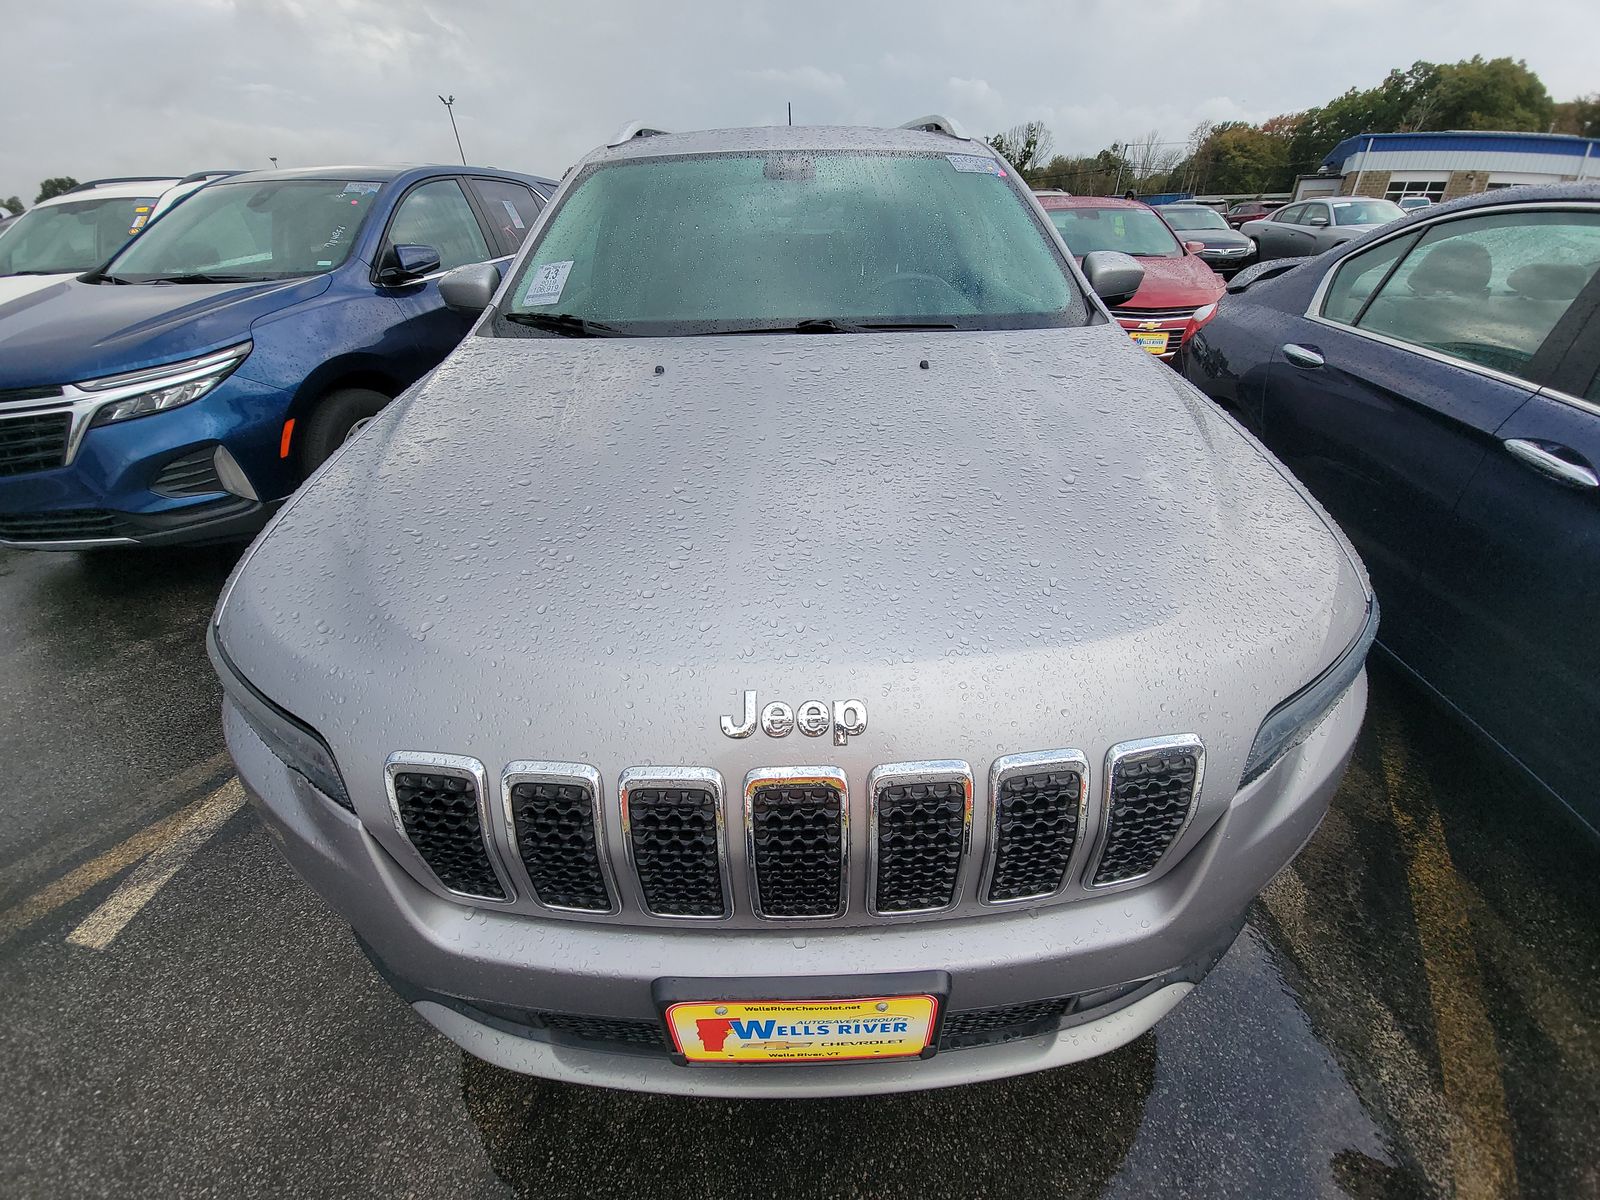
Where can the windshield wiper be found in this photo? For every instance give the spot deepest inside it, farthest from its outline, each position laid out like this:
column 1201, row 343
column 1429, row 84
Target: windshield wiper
column 197, row 277
column 566, row 324
column 834, row 325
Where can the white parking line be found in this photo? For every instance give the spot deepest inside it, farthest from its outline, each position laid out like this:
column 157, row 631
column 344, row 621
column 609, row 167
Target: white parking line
column 101, row 927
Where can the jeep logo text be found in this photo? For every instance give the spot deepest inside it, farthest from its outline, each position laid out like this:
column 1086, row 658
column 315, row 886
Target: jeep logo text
column 813, row 718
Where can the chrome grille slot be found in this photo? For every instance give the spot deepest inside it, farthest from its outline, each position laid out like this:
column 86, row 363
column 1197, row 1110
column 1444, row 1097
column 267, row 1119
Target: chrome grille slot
column 194, row 474
column 438, row 805
column 796, row 827
column 1037, row 806
column 553, row 812
column 921, row 826
column 1151, row 789
column 37, row 442
column 672, row 822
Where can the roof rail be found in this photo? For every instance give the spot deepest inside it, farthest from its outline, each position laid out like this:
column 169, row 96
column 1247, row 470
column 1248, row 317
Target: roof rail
column 199, row 175
column 934, row 123
column 637, row 129
column 94, row 183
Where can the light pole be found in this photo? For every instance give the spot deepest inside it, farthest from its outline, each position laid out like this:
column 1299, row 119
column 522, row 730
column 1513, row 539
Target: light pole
column 450, row 107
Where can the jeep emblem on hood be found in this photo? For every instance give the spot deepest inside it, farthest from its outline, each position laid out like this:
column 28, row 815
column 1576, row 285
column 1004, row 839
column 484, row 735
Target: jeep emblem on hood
column 813, row 718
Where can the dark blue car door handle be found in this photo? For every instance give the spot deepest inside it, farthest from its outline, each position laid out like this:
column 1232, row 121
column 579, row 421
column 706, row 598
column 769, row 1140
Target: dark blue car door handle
column 1302, row 356
column 1558, row 462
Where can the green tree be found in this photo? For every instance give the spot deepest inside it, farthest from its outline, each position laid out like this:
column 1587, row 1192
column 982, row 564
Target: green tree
column 1580, row 116
column 1025, row 147
column 1498, row 93
column 12, row 205
column 50, row 188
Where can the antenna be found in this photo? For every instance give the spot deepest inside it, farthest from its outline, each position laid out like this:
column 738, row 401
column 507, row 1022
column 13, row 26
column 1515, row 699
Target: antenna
column 450, row 107
column 791, row 112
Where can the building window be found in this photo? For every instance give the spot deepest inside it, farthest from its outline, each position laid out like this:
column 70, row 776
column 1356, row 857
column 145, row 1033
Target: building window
column 1415, row 185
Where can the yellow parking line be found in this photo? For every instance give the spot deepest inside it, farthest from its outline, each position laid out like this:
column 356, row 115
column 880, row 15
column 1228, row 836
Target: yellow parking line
column 1480, row 1137
column 97, row 870
column 103, row 925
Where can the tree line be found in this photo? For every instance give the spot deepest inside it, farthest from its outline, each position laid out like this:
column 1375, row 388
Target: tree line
column 1238, row 158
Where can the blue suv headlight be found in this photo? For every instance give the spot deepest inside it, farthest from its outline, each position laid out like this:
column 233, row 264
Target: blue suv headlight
column 157, row 389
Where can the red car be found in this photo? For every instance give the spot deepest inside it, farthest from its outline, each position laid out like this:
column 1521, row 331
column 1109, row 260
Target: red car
column 1250, row 210
column 1179, row 293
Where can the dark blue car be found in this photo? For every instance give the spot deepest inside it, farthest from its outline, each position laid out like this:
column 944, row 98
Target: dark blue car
column 183, row 390
column 1435, row 385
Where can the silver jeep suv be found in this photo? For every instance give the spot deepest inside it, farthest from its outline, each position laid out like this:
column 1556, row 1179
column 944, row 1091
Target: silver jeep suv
column 797, row 644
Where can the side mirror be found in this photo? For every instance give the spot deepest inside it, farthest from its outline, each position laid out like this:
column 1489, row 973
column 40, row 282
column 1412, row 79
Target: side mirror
column 1318, row 222
column 1193, row 247
column 1257, row 272
column 1114, row 276
column 407, row 264
column 469, row 289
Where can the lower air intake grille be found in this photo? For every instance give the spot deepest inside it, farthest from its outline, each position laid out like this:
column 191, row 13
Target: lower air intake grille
column 439, row 813
column 554, row 822
column 796, row 830
column 675, row 838
column 919, row 838
column 1037, row 806
column 33, row 443
column 195, row 474
column 1151, row 791
column 988, row 1026
column 603, row 1029
column 60, row 525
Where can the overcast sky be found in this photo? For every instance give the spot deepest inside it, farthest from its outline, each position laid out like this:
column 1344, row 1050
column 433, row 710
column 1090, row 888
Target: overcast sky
column 94, row 88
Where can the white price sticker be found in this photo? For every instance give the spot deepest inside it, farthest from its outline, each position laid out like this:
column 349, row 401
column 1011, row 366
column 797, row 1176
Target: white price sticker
column 546, row 285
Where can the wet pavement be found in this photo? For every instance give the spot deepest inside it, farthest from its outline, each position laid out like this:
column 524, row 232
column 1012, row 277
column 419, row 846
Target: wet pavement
column 1412, row 1010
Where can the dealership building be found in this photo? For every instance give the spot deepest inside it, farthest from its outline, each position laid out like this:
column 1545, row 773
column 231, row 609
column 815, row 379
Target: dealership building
column 1442, row 166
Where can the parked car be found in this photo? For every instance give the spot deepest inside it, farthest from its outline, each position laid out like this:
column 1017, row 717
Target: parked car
column 796, row 625
column 1411, row 204
column 78, row 230
column 1314, row 226
column 1249, row 210
column 7, row 220
column 182, row 391
column 1225, row 250
column 1435, row 386
column 1179, row 291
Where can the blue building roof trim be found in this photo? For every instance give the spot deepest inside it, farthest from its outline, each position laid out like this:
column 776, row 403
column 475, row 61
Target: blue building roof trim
column 1563, row 144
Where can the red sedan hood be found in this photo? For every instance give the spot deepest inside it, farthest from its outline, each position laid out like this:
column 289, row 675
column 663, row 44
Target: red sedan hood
column 1176, row 283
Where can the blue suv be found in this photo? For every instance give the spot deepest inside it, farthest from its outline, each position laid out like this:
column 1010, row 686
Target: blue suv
column 183, row 390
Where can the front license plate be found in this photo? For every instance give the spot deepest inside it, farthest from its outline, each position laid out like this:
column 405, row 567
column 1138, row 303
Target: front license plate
column 803, row 1030
column 1155, row 342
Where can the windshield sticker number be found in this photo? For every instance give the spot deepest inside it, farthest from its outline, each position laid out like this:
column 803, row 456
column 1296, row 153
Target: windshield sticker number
column 975, row 164
column 511, row 211
column 547, row 283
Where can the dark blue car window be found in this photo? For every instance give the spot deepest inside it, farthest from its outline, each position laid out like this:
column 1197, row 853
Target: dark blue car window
column 437, row 214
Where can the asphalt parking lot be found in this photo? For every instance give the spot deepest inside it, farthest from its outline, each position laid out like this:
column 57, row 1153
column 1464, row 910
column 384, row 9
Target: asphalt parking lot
column 1411, row 1012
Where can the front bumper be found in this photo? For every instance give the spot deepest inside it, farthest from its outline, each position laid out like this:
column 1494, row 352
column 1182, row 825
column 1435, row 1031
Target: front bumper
column 1129, row 955
column 1226, row 263
column 111, row 491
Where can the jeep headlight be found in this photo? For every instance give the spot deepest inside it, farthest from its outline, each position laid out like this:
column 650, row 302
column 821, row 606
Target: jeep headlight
column 291, row 740
column 1293, row 721
column 157, row 389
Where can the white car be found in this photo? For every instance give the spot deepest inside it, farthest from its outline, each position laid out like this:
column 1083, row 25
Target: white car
column 74, row 232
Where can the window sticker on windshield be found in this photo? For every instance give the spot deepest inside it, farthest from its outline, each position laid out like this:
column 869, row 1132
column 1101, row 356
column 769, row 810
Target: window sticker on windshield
column 511, row 211
column 546, row 284
column 976, row 164
column 360, row 188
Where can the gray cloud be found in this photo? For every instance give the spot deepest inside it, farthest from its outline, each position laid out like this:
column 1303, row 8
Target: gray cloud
column 100, row 88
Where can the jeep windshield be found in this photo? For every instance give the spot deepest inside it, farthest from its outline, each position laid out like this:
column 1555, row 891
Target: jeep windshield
column 790, row 242
column 66, row 239
column 243, row 232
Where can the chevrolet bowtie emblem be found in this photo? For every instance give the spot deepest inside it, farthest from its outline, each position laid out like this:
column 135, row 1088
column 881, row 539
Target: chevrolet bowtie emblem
column 1150, row 325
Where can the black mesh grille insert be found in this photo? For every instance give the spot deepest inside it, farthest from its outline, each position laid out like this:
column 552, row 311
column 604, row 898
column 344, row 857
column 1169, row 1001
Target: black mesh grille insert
column 604, row 1029
column 988, row 1026
column 1150, row 800
column 921, row 834
column 799, row 849
column 555, row 832
column 33, row 443
column 195, row 474
column 59, row 525
column 674, row 836
column 1035, row 830
column 440, row 815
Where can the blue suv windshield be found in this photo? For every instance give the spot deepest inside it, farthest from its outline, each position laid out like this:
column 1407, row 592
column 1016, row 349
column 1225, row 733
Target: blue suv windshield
column 240, row 232
column 802, row 241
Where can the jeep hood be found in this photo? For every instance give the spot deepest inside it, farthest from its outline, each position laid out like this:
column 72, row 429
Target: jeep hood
column 70, row 331
column 585, row 550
